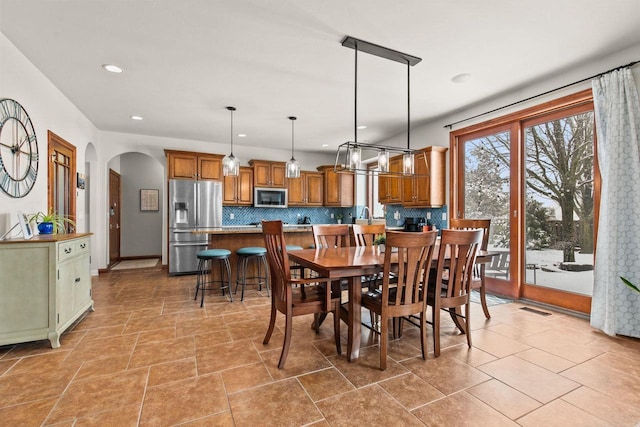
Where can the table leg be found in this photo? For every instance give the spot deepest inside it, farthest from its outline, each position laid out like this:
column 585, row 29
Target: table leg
column 355, row 294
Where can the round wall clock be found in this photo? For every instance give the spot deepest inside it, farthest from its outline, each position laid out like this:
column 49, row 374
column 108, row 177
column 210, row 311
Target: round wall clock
column 18, row 150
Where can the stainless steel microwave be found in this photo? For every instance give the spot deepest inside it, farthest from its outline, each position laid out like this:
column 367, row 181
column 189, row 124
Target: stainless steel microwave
column 270, row 197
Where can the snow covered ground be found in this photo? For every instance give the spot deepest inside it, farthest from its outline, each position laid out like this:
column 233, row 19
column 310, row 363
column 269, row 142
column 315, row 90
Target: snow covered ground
column 580, row 282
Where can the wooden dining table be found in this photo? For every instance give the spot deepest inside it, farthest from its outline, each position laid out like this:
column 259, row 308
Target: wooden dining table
column 352, row 263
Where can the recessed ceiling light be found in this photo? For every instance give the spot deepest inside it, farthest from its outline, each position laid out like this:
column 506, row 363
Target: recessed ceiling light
column 325, row 145
column 362, row 127
column 242, row 135
column 461, row 78
column 136, row 118
column 112, row 68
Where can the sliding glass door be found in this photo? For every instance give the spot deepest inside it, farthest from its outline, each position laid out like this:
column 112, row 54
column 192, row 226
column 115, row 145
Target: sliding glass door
column 534, row 174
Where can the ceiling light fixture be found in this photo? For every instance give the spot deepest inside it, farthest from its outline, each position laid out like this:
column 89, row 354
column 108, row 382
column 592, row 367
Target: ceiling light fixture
column 136, row 118
column 461, row 78
column 292, row 167
column 112, row 68
column 242, row 135
column 230, row 164
column 350, row 154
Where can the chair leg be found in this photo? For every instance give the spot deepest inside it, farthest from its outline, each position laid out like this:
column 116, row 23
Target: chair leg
column 423, row 334
column 198, row 279
column 435, row 319
column 266, row 273
column 203, row 278
column 287, row 339
column 336, row 328
column 384, row 324
column 483, row 300
column 227, row 265
column 272, row 323
column 467, row 319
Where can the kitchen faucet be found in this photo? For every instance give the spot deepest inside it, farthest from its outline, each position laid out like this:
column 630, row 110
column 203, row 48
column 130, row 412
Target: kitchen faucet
column 366, row 208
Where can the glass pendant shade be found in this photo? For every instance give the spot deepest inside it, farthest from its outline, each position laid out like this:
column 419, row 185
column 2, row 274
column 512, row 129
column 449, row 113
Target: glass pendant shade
column 230, row 164
column 407, row 163
column 383, row 161
column 293, row 168
column 355, row 158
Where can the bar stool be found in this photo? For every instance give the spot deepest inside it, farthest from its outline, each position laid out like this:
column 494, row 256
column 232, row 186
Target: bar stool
column 245, row 255
column 205, row 266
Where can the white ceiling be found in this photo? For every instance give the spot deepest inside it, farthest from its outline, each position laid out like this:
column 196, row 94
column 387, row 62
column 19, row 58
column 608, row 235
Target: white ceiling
column 184, row 61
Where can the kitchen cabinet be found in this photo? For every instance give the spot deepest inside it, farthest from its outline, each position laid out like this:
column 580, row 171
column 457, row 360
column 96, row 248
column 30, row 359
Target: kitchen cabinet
column 306, row 190
column 45, row 287
column 268, row 174
column 390, row 185
column 427, row 187
column 192, row 165
column 238, row 190
column 338, row 187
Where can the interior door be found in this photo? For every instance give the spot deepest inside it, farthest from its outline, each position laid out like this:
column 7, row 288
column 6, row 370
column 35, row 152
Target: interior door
column 114, row 217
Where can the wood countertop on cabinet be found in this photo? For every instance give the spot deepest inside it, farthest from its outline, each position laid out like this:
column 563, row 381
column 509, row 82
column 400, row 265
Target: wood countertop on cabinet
column 38, row 238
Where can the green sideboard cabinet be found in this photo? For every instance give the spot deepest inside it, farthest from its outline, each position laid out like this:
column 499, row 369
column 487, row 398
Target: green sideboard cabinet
column 45, row 286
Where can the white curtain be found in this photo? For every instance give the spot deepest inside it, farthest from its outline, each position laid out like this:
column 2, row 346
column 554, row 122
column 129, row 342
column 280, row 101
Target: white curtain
column 615, row 308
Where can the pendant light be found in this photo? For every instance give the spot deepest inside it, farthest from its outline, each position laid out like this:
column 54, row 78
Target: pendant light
column 354, row 150
column 230, row 164
column 293, row 167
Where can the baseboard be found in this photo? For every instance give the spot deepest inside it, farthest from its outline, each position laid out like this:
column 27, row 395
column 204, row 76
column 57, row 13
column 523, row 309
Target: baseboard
column 128, row 258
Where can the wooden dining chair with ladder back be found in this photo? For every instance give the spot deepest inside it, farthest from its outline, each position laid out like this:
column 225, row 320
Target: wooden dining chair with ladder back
column 478, row 279
column 406, row 296
column 449, row 288
column 309, row 297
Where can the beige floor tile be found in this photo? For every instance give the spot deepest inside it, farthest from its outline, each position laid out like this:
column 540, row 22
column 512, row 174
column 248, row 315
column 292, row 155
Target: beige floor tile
column 301, row 358
column 172, row 371
column 411, row 391
column 446, row 373
column 366, row 370
column 21, row 388
column 471, row 356
column 461, row 409
column 546, row 360
column 226, row 356
column 27, row 414
column 504, row 399
column 564, row 345
column 244, row 377
column 530, row 379
column 99, row 394
column 599, row 375
column 496, row 344
column 124, row 415
column 224, row 419
column 560, row 414
column 103, row 348
column 265, row 406
column 152, row 353
column 366, row 406
column 607, row 407
column 161, row 334
column 190, row 399
column 325, row 383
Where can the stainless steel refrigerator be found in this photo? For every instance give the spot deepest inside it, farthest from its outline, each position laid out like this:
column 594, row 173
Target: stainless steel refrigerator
column 192, row 205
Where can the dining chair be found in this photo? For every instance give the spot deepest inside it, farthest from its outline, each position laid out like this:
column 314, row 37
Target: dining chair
column 456, row 258
column 405, row 297
column 308, row 298
column 325, row 236
column 365, row 234
column 478, row 279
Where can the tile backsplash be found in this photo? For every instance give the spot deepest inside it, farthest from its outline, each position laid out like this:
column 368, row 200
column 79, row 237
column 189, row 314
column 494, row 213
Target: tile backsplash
column 244, row 215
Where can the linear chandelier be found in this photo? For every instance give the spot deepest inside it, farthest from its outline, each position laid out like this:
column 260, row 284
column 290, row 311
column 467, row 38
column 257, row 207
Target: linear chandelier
column 351, row 153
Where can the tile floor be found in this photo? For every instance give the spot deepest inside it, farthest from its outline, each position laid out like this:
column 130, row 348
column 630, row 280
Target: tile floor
column 149, row 355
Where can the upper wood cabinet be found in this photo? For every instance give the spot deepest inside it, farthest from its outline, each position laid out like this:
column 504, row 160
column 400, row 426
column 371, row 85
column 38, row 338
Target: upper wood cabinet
column 306, row 190
column 268, row 174
column 338, row 187
column 390, row 186
column 190, row 165
column 427, row 187
column 238, row 190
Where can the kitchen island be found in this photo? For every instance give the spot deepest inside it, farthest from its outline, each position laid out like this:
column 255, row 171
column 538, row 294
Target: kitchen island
column 235, row 237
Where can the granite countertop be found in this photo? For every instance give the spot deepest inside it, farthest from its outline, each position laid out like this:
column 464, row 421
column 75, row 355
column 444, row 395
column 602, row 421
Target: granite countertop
column 256, row 229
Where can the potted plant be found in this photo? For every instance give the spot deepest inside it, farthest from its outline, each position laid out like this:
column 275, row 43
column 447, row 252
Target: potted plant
column 339, row 218
column 380, row 241
column 629, row 284
column 51, row 222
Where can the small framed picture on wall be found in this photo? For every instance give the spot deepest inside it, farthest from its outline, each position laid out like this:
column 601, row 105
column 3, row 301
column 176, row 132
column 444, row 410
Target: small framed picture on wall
column 149, row 200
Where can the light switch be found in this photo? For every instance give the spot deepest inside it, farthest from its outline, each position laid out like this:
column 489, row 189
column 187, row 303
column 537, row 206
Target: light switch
column 444, row 216
column 231, row 216
column 428, row 215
